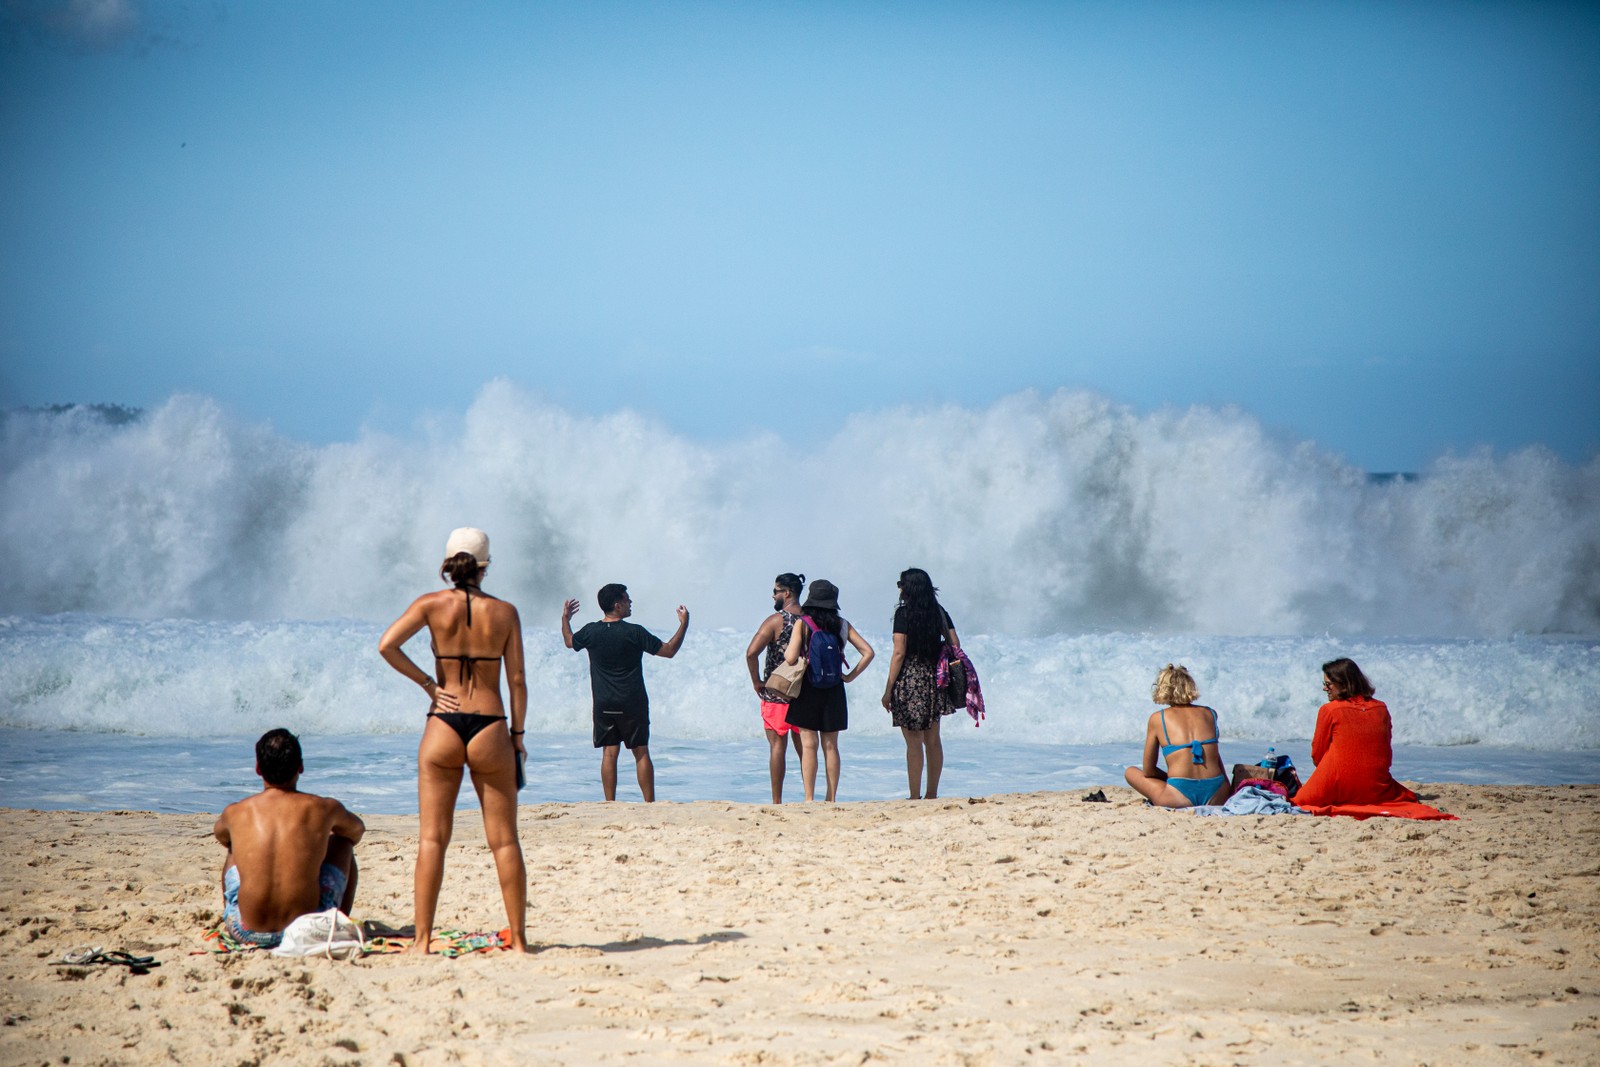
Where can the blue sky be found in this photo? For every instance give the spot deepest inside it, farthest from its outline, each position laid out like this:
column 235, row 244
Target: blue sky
column 1375, row 226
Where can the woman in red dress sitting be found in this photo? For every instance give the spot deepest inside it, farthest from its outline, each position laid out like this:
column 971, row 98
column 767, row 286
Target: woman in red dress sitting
column 1351, row 747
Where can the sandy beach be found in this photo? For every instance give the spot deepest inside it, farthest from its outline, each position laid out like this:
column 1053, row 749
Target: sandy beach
column 1002, row 930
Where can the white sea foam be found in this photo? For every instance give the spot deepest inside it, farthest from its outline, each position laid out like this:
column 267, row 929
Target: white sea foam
column 1039, row 515
column 196, row 679
column 182, row 573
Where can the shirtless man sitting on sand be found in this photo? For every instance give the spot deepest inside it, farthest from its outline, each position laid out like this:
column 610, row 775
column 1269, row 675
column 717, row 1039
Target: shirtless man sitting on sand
column 289, row 853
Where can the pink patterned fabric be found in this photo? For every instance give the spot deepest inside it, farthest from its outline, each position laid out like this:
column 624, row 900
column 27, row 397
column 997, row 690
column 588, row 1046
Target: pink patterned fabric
column 974, row 692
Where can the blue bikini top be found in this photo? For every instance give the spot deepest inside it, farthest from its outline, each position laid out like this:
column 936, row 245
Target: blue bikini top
column 1197, row 750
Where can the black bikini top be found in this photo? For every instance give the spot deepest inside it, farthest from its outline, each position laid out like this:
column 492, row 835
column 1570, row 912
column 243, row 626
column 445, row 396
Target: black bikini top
column 467, row 662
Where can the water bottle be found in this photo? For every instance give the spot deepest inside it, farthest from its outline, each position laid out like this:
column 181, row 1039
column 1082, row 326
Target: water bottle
column 1270, row 759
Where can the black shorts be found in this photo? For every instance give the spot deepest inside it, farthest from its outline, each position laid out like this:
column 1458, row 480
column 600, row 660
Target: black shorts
column 621, row 728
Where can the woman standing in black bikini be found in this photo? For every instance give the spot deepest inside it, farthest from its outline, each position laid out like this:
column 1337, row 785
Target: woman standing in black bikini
column 471, row 633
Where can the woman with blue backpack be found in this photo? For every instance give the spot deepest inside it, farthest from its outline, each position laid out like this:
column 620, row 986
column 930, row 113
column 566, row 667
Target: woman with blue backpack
column 820, row 711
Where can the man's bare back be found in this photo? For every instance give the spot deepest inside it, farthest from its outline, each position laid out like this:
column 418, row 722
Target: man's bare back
column 279, row 840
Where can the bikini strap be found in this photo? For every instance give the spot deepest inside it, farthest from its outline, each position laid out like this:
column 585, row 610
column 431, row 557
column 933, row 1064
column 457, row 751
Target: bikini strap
column 465, row 661
column 1197, row 749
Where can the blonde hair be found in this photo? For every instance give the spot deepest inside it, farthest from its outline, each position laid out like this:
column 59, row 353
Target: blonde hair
column 1175, row 685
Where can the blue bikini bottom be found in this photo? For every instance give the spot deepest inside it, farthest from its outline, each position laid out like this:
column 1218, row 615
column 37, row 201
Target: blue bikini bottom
column 1197, row 790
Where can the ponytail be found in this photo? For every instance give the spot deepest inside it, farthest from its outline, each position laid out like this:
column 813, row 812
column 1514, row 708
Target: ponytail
column 461, row 570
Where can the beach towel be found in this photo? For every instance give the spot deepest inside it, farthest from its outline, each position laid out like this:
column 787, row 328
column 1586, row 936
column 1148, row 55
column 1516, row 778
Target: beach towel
column 454, row 943
column 381, row 940
column 346, row 945
column 221, row 943
column 1399, row 809
column 1251, row 800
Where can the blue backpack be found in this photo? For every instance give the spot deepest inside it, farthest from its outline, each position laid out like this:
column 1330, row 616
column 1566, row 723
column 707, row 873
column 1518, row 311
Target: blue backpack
column 825, row 656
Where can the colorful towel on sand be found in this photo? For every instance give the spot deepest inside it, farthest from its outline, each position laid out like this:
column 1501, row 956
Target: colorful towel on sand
column 1399, row 809
column 450, row 943
column 222, row 943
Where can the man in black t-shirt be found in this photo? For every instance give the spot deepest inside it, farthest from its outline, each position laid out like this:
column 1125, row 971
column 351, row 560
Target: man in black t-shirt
column 616, row 678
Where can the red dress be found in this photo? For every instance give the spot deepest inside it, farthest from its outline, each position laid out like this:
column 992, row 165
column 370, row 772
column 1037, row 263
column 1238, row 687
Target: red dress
column 1352, row 752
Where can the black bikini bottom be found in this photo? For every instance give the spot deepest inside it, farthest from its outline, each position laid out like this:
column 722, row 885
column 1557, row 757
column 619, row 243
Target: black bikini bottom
column 465, row 724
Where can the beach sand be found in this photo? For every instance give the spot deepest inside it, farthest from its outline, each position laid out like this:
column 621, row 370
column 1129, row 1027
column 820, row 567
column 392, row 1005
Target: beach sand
column 1014, row 929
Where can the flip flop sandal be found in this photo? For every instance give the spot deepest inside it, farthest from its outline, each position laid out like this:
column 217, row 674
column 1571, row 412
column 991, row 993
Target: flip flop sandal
column 135, row 964
column 379, row 928
column 1097, row 797
column 77, row 957
column 86, row 955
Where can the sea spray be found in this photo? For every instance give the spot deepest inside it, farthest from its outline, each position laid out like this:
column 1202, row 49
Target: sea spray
column 1037, row 515
column 185, row 678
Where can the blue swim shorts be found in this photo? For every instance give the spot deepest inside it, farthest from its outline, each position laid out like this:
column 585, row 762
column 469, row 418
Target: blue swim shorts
column 331, row 881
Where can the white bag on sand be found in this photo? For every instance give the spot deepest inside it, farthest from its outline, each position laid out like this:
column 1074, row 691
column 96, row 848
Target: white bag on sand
column 329, row 933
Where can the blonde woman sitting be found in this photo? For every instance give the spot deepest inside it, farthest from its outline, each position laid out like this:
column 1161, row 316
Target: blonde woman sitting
column 1185, row 733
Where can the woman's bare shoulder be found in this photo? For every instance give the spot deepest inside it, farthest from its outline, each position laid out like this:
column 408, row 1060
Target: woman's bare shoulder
column 1190, row 714
column 503, row 609
column 431, row 600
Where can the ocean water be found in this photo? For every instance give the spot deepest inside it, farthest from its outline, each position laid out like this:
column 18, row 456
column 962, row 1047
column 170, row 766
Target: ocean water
column 187, row 581
column 377, row 774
